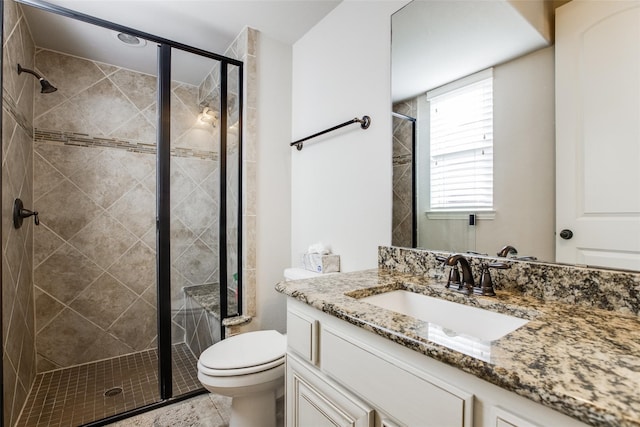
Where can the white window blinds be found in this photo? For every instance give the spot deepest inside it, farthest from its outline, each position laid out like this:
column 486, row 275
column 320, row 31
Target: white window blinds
column 461, row 144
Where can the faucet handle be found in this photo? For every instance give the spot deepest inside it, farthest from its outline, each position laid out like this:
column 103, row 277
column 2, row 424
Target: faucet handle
column 499, row 265
column 454, row 278
column 454, row 273
column 486, row 283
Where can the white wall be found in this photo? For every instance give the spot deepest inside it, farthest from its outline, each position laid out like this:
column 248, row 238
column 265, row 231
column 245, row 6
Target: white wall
column 273, row 195
column 524, row 167
column 524, row 158
column 341, row 182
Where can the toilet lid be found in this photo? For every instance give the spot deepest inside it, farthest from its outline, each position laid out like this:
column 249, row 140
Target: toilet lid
column 245, row 350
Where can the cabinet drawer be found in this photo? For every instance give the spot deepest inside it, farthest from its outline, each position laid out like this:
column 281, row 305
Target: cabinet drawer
column 412, row 396
column 302, row 335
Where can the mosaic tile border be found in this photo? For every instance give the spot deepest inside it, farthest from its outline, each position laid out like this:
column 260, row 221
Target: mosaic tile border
column 11, row 107
column 84, row 140
column 611, row 290
column 404, row 159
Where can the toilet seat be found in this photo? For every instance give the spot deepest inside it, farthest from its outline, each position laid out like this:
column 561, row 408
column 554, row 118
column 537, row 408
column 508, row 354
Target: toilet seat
column 240, row 371
column 244, row 354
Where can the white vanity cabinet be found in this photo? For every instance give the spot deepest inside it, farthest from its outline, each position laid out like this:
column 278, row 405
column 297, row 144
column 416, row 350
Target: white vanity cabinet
column 337, row 379
column 341, row 375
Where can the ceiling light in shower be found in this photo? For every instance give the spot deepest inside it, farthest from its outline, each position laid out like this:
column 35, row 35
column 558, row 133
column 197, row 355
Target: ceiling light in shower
column 208, row 117
column 130, row 40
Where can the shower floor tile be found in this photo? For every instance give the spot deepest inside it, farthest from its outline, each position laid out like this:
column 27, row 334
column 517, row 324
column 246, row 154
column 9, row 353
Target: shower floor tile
column 74, row 396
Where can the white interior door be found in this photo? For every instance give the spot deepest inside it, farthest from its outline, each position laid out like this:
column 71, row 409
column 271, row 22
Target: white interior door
column 598, row 133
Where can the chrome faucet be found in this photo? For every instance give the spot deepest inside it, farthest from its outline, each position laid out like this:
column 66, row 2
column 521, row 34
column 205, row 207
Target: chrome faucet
column 467, row 284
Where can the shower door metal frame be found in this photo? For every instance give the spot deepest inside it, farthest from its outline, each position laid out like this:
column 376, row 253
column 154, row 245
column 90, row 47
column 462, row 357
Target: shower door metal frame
column 1, row 183
column 414, row 198
column 163, row 157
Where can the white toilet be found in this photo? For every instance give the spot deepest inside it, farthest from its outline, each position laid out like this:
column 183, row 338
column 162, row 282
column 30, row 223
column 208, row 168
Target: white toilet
column 249, row 368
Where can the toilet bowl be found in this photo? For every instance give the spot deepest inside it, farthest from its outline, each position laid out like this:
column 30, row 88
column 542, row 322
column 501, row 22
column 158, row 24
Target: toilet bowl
column 249, row 368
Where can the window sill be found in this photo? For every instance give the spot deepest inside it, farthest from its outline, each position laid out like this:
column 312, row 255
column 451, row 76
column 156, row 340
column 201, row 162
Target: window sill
column 449, row 215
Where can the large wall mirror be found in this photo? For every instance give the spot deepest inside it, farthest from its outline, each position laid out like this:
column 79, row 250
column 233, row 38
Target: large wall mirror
column 436, row 45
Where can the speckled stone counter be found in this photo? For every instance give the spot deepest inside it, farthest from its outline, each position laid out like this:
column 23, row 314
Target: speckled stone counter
column 577, row 359
column 207, row 295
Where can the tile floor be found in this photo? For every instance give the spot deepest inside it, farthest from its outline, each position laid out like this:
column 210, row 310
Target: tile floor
column 208, row 410
column 80, row 394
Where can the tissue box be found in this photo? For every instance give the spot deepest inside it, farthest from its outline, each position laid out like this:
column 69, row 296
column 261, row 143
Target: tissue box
column 321, row 263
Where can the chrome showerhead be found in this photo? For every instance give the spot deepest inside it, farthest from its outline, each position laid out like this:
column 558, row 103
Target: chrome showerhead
column 46, row 87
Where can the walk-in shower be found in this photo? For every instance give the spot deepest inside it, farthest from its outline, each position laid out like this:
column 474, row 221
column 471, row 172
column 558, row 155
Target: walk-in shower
column 134, row 166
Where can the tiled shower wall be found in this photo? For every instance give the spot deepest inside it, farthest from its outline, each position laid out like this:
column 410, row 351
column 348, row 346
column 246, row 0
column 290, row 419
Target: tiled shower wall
column 17, row 167
column 209, row 95
column 94, row 186
column 244, row 48
column 202, row 325
column 403, row 174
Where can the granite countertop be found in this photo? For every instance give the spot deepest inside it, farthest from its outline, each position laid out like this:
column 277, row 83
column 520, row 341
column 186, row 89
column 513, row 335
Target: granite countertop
column 207, row 295
column 581, row 361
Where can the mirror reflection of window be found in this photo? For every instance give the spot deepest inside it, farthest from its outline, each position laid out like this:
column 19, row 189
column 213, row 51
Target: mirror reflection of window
column 461, row 144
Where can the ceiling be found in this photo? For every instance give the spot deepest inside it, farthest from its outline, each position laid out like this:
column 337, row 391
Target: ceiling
column 211, row 25
column 435, row 42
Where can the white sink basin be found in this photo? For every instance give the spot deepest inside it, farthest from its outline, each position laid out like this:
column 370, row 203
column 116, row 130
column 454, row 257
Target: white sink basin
column 454, row 319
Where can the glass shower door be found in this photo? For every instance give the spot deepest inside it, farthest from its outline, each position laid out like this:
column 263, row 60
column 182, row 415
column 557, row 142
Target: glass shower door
column 94, row 256
column 233, row 171
column 200, row 196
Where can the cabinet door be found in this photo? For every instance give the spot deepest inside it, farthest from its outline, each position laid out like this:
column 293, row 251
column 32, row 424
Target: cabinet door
column 313, row 401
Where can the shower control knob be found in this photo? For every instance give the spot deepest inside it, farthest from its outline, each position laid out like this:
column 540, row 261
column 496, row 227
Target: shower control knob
column 20, row 213
column 566, row 234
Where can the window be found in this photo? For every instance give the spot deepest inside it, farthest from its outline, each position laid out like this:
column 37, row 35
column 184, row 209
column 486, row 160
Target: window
column 461, row 144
